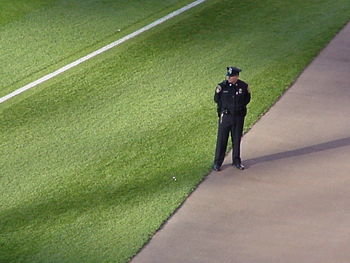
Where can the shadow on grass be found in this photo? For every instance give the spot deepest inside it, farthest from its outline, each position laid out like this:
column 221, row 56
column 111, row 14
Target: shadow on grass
column 301, row 151
column 46, row 211
column 23, row 228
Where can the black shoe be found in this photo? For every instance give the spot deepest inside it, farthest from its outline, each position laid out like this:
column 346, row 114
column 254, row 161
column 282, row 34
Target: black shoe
column 216, row 168
column 239, row 166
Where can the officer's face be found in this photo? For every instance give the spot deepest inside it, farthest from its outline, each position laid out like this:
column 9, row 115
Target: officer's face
column 233, row 79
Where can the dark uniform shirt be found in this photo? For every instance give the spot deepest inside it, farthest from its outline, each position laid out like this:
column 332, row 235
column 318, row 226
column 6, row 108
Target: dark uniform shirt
column 232, row 98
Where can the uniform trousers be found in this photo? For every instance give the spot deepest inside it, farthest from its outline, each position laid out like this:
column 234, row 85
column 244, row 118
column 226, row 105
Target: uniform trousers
column 229, row 124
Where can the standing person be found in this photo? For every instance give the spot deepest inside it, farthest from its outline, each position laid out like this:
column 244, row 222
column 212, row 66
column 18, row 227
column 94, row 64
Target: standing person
column 232, row 96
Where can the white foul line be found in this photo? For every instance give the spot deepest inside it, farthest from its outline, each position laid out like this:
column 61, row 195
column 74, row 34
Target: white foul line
column 99, row 51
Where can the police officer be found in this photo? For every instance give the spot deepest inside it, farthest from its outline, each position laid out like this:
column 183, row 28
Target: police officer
column 232, row 97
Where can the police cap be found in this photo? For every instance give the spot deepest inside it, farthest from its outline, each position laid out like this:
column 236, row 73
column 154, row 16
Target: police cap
column 233, row 71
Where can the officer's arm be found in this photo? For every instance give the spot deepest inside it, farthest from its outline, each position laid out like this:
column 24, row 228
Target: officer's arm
column 248, row 96
column 217, row 94
column 217, row 99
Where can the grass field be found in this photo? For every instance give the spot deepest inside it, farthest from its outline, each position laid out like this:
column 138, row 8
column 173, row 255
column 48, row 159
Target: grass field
column 38, row 36
column 87, row 158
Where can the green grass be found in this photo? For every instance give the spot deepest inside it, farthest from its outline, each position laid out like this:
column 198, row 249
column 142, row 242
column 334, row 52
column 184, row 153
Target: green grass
column 88, row 157
column 38, row 37
column 12, row 10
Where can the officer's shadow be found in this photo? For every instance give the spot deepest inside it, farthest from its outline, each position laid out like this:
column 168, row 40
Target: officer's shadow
column 297, row 152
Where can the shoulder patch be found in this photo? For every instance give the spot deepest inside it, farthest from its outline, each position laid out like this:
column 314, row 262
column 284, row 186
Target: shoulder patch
column 218, row 89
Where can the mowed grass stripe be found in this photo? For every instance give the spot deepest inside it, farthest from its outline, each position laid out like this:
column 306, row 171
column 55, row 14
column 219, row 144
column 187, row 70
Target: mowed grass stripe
column 39, row 37
column 13, row 10
column 90, row 155
column 99, row 51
